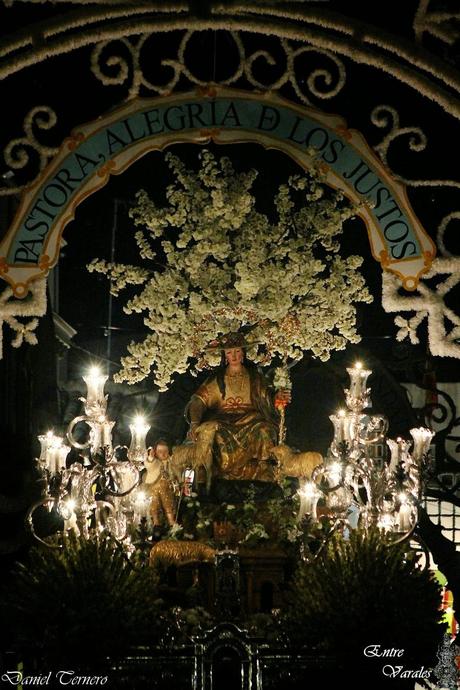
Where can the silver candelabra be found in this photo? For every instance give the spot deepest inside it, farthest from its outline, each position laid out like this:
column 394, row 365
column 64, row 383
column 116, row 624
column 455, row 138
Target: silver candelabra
column 358, row 484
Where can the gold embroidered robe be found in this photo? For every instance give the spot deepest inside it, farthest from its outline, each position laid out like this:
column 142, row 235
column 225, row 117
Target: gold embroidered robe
column 247, row 428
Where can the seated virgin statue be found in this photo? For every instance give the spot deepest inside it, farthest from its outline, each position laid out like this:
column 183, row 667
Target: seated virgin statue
column 237, row 397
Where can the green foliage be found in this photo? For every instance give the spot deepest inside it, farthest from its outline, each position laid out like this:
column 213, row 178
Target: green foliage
column 255, row 523
column 365, row 591
column 80, row 604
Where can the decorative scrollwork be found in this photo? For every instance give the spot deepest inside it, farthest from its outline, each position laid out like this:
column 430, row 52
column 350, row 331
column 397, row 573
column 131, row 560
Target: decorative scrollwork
column 387, row 116
column 319, row 78
column 428, row 302
column 17, row 151
column 440, row 413
column 123, row 69
column 321, row 82
column 10, row 308
column 439, row 23
column 441, row 231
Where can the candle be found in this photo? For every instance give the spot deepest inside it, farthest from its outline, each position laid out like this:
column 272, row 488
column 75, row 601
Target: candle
column 95, row 402
column 45, row 442
column 358, row 380
column 422, row 440
column 61, row 456
column 56, row 454
column 138, row 449
column 339, row 422
column 141, row 505
column 308, row 499
column 107, row 435
column 394, row 450
column 404, row 517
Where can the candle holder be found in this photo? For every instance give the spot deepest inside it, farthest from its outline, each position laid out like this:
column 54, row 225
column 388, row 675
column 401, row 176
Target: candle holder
column 357, row 395
column 98, row 492
column 358, row 479
column 137, row 452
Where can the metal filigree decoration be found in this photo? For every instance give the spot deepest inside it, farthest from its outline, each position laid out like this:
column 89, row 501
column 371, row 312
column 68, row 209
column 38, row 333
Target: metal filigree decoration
column 439, row 22
column 17, row 153
column 428, row 302
column 320, row 82
column 442, row 229
column 387, row 116
column 441, row 415
column 296, row 37
column 11, row 308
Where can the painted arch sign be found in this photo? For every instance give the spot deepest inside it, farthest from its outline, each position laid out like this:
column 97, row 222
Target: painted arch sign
column 110, row 144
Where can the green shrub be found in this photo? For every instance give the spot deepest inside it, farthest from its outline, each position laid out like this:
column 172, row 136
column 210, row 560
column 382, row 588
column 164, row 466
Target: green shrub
column 364, row 591
column 81, row 604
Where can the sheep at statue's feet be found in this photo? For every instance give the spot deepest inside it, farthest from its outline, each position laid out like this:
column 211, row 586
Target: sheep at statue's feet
column 166, row 553
column 197, row 454
column 295, row 464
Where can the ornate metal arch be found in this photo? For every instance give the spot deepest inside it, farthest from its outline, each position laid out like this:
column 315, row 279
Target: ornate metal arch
column 334, row 40
column 324, row 29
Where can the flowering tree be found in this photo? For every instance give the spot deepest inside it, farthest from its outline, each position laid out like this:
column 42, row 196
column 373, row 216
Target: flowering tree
column 213, row 264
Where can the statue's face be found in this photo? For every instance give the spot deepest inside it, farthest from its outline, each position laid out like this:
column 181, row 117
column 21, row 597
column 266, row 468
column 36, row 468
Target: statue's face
column 162, row 452
column 234, row 355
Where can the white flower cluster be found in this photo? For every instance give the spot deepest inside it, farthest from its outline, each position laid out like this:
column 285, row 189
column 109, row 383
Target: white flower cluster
column 217, row 264
column 10, row 308
column 431, row 301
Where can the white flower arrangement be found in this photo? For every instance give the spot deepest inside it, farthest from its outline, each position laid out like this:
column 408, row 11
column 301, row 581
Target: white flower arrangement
column 429, row 303
column 10, row 308
column 214, row 264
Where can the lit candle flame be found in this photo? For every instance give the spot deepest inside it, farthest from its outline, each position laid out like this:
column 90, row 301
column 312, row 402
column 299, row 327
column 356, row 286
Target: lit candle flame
column 94, row 372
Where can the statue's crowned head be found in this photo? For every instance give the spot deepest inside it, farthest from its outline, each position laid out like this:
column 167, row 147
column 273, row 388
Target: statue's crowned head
column 231, row 340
